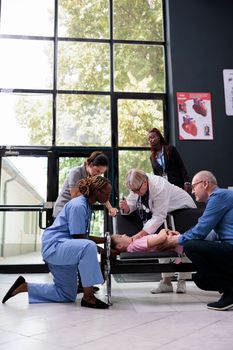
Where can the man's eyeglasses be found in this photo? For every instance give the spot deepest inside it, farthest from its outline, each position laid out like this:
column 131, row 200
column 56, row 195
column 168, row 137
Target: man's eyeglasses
column 138, row 189
column 194, row 185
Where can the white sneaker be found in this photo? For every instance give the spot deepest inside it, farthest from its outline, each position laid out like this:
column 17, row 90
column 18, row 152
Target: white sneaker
column 181, row 286
column 162, row 288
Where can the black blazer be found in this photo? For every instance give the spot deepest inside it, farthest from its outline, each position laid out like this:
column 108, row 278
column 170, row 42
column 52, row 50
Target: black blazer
column 174, row 167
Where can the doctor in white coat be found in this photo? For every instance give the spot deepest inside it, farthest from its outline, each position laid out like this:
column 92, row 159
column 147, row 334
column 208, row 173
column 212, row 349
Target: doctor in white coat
column 153, row 196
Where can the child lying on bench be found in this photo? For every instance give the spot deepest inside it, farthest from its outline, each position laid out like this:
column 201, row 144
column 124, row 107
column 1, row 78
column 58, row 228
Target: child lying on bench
column 143, row 242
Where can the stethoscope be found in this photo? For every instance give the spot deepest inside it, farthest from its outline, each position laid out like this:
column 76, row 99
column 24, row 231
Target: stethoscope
column 142, row 209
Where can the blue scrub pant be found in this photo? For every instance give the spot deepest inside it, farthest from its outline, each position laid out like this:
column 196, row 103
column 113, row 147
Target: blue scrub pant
column 70, row 256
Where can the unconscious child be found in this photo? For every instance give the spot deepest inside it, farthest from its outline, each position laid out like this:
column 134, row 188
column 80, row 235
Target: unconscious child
column 143, row 242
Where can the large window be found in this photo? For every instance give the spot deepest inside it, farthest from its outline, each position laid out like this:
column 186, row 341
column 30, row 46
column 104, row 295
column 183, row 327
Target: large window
column 76, row 76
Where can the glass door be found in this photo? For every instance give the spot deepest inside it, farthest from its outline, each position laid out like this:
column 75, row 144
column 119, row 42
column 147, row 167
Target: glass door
column 23, row 206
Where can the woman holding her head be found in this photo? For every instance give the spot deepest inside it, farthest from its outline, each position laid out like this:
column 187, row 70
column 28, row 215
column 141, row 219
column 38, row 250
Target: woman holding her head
column 67, row 248
column 96, row 164
column 166, row 161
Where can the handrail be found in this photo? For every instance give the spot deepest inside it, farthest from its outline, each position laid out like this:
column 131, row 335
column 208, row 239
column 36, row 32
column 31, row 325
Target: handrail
column 22, row 207
column 40, row 208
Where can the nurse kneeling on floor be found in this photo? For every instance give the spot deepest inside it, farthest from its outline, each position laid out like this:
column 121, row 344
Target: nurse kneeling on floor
column 67, row 248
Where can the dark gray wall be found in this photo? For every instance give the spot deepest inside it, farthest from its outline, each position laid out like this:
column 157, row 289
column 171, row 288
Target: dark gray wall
column 200, row 46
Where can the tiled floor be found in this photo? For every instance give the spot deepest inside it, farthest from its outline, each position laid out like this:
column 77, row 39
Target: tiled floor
column 136, row 320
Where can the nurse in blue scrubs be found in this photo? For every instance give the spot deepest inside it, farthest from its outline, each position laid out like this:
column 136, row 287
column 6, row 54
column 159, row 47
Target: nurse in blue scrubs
column 67, row 248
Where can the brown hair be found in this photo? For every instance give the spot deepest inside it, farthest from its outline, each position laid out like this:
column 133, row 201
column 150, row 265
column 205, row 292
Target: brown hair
column 161, row 138
column 90, row 184
column 114, row 251
column 163, row 142
column 97, row 159
column 113, row 243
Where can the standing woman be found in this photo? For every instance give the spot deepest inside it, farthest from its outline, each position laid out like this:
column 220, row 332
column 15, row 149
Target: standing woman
column 166, row 161
column 96, row 164
column 67, row 248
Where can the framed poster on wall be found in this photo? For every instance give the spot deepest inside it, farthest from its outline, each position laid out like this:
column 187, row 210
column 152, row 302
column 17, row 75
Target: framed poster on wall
column 228, row 90
column 194, row 115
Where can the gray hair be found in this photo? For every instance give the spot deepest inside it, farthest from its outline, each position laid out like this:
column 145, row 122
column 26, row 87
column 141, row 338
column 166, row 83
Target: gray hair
column 134, row 178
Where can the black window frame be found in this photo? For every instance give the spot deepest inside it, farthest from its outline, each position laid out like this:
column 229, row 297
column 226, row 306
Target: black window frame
column 53, row 152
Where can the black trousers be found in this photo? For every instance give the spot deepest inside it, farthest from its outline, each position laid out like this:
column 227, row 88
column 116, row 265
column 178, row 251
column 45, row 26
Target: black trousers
column 214, row 263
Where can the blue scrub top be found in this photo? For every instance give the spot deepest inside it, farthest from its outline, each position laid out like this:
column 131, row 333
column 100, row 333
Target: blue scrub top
column 74, row 219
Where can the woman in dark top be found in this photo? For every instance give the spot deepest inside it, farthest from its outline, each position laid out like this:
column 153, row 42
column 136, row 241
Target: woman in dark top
column 166, row 161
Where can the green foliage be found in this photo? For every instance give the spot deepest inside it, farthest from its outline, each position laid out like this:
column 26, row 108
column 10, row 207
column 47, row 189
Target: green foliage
column 139, row 68
column 136, row 118
column 85, row 120
column 35, row 115
column 129, row 160
column 84, row 18
column 83, row 66
column 140, row 20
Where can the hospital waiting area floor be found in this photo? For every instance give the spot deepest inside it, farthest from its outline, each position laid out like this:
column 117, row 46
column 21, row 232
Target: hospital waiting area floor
column 136, row 320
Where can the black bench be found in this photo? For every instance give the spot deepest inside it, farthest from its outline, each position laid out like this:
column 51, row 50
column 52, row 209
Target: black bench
column 138, row 262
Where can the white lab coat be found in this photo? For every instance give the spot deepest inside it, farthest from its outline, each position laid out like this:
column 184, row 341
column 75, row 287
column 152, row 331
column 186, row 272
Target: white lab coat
column 164, row 198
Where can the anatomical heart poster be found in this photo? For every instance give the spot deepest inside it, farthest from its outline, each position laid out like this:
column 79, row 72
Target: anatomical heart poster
column 194, row 116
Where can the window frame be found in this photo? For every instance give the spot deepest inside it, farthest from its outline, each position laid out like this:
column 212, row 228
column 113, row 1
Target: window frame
column 54, row 152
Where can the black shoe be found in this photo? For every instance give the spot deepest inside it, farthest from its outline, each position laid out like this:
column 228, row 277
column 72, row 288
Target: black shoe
column 98, row 304
column 80, row 289
column 224, row 303
column 20, row 280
